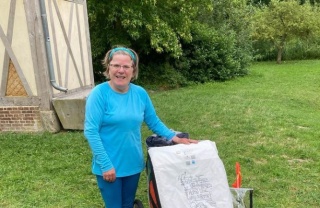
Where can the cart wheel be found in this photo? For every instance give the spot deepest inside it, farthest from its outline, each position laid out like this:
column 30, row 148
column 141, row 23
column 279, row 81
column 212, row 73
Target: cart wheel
column 137, row 204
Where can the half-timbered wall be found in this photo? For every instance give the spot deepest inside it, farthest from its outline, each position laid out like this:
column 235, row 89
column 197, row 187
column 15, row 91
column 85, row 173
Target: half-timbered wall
column 25, row 81
column 70, row 49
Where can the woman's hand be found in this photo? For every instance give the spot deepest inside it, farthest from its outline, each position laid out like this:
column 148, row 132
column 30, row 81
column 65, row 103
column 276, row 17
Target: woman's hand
column 178, row 140
column 110, row 175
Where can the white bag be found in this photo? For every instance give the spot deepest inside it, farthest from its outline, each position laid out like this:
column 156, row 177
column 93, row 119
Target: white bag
column 190, row 176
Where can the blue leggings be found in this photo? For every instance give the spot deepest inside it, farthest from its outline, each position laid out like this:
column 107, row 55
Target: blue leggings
column 120, row 193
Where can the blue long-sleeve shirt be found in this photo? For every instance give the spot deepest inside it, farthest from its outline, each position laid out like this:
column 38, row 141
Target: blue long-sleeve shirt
column 113, row 128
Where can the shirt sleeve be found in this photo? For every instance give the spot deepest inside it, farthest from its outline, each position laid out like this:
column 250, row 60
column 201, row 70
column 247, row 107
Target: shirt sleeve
column 154, row 122
column 94, row 111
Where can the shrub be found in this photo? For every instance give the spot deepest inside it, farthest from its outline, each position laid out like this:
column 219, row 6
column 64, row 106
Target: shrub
column 211, row 56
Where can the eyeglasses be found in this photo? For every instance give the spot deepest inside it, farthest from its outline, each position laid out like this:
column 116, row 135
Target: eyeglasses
column 117, row 66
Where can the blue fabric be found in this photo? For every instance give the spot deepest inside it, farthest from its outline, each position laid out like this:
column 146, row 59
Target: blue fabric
column 122, row 49
column 120, row 193
column 113, row 128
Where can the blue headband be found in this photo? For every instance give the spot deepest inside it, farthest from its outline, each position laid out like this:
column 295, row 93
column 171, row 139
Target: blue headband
column 123, row 49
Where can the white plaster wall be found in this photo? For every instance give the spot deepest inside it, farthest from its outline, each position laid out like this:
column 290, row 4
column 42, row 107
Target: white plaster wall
column 21, row 46
column 68, row 76
column 4, row 15
column 1, row 58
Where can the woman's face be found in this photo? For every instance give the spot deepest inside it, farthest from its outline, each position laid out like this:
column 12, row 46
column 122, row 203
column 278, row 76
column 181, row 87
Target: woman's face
column 120, row 72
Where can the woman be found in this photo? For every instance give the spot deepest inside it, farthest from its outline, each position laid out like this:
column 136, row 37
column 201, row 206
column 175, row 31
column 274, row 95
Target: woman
column 115, row 111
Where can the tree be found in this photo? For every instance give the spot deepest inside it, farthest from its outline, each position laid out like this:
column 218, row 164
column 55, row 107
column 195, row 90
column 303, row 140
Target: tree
column 146, row 25
column 283, row 21
column 260, row 2
column 174, row 39
column 160, row 24
column 220, row 48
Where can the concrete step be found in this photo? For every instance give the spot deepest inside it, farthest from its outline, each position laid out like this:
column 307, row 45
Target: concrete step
column 70, row 109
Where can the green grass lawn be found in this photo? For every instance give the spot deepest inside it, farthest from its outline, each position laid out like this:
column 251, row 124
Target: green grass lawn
column 268, row 121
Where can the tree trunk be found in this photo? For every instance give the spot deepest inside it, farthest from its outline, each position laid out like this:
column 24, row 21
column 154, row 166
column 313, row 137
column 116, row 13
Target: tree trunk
column 279, row 57
column 280, row 48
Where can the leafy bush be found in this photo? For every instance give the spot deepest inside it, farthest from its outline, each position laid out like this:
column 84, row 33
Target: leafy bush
column 178, row 42
column 264, row 51
column 296, row 49
column 210, row 56
column 156, row 73
column 302, row 49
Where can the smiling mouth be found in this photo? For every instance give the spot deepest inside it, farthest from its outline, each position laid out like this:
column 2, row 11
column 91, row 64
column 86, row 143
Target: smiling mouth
column 120, row 77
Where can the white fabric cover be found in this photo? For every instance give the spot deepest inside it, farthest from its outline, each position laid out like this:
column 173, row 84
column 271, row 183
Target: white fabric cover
column 190, row 176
